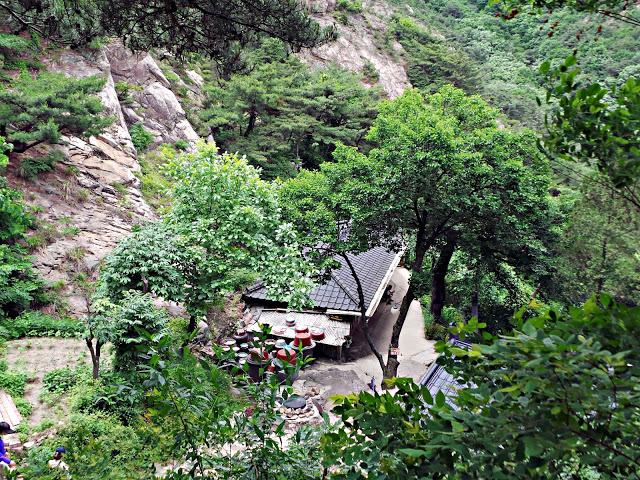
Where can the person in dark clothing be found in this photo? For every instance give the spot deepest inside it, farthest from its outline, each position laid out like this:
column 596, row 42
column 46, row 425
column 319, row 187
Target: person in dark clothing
column 5, row 429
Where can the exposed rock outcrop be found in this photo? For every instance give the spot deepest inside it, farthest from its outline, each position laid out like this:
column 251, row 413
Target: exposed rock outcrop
column 360, row 41
column 152, row 101
column 91, row 200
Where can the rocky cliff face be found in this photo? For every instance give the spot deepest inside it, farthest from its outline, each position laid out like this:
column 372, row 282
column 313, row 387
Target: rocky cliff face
column 360, row 40
column 93, row 199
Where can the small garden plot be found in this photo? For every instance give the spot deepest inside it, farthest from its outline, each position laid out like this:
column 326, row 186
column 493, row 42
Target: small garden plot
column 34, row 358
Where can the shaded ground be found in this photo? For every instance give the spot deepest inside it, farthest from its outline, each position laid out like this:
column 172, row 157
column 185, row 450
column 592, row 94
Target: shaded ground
column 37, row 356
column 416, row 352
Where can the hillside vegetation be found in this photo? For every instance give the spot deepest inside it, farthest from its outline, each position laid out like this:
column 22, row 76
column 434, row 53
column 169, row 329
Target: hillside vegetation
column 157, row 158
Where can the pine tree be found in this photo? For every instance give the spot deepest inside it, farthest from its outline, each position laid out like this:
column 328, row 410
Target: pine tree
column 42, row 108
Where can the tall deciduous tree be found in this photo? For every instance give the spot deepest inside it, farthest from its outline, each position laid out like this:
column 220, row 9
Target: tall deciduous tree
column 224, row 230
column 441, row 174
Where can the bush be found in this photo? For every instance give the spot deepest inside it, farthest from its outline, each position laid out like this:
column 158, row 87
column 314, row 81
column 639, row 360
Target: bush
column 31, row 167
column 60, row 380
column 13, row 383
column 353, row 6
column 105, row 396
column 99, row 447
column 370, row 72
column 23, row 406
column 38, row 324
column 435, row 331
column 20, row 286
column 124, row 90
column 181, row 145
column 140, row 137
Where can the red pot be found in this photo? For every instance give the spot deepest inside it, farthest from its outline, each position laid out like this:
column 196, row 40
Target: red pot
column 317, row 334
column 302, row 329
column 303, row 339
column 287, row 356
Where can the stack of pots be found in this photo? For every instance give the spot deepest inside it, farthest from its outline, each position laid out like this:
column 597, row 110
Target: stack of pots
column 258, row 361
column 303, row 339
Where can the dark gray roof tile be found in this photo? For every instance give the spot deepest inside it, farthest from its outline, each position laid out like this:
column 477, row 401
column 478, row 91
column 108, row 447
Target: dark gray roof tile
column 340, row 291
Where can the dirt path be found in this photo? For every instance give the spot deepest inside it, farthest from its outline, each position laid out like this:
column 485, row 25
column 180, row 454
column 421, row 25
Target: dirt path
column 416, row 352
column 37, row 356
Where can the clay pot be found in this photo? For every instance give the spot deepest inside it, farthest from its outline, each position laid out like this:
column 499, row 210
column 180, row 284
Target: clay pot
column 306, row 351
column 317, row 334
column 300, row 328
column 241, row 336
column 303, row 339
column 281, row 343
column 229, row 342
column 258, row 354
column 257, row 368
column 244, row 347
column 269, row 344
column 285, row 355
column 290, row 322
column 242, row 355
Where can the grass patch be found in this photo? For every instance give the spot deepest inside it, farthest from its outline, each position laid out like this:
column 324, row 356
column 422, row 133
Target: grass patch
column 38, row 324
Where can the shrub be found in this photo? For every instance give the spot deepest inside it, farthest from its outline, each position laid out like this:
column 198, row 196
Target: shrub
column 60, row 380
column 435, row 331
column 13, row 383
column 31, row 167
column 353, row 6
column 105, row 396
column 181, row 145
column 38, row 324
column 23, row 406
column 98, row 447
column 140, row 137
column 370, row 72
column 20, row 286
column 43, row 425
column 124, row 90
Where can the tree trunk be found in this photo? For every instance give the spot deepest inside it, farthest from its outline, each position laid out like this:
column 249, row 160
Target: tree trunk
column 192, row 324
column 252, row 122
column 438, row 283
column 363, row 313
column 603, row 265
column 391, row 369
column 95, row 356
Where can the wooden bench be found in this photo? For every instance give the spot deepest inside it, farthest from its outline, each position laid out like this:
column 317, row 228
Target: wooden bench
column 8, row 411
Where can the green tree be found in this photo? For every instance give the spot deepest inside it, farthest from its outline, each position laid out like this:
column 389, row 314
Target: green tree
column 596, row 125
column 556, row 398
column 20, row 286
column 432, row 62
column 217, row 29
column 599, row 250
column 223, row 231
column 442, row 175
column 42, row 108
column 283, row 115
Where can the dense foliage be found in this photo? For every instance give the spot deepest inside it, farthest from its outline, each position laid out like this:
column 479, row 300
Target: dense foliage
column 42, row 107
column 556, row 398
column 217, row 29
column 505, row 54
column 283, row 115
column 442, row 174
column 224, row 229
